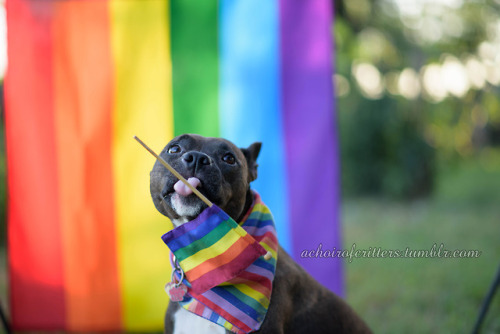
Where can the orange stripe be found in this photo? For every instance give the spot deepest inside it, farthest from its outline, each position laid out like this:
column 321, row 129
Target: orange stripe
column 83, row 91
column 253, row 284
column 232, row 252
column 248, row 238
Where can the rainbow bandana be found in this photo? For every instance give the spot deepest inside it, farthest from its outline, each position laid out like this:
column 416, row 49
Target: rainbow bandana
column 228, row 280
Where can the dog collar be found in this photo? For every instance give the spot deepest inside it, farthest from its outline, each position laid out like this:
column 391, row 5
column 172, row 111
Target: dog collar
column 218, row 267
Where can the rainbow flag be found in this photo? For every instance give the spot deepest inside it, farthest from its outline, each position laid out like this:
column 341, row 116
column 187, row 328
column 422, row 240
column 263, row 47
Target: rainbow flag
column 212, row 248
column 228, row 280
column 85, row 76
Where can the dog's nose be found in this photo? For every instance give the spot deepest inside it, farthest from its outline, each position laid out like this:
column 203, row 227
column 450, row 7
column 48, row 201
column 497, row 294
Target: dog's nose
column 195, row 160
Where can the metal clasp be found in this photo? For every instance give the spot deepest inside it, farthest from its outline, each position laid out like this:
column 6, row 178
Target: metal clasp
column 178, row 269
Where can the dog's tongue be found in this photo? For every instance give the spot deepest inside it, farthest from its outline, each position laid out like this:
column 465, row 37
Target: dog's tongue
column 184, row 190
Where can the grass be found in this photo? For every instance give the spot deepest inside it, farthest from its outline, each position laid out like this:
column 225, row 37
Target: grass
column 427, row 295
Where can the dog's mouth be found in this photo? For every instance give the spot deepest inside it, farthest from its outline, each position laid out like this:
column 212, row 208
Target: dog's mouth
column 183, row 189
column 181, row 199
column 180, row 189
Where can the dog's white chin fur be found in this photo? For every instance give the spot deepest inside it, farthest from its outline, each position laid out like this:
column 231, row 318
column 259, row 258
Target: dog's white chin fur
column 184, row 210
column 189, row 323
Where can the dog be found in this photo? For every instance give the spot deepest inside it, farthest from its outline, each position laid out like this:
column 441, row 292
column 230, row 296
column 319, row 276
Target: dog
column 223, row 172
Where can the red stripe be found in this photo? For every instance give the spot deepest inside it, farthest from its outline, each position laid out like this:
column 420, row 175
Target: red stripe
column 229, row 270
column 34, row 233
column 239, row 246
column 255, row 281
column 269, row 238
column 223, row 313
column 199, row 308
column 83, row 90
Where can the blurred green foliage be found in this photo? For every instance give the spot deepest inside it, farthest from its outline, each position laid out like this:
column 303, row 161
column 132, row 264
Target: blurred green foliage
column 383, row 151
column 417, row 91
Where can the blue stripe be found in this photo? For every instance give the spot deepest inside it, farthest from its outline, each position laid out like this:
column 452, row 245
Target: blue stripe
column 250, row 90
column 186, row 239
column 256, row 222
column 268, row 265
column 223, row 293
column 214, row 317
column 247, row 300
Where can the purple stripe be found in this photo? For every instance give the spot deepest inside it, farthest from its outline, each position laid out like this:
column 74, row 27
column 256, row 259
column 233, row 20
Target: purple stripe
column 207, row 313
column 260, row 271
column 231, row 309
column 255, row 231
column 193, row 224
column 310, row 134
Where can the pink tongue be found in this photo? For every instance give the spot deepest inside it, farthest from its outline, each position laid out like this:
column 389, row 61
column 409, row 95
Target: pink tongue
column 184, row 190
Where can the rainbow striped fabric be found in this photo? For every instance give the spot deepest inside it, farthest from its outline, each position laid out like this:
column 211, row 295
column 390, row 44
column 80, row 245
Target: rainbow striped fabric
column 232, row 283
column 85, row 76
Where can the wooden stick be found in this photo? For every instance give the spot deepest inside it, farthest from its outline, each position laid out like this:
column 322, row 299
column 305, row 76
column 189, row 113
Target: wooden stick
column 267, row 256
column 173, row 171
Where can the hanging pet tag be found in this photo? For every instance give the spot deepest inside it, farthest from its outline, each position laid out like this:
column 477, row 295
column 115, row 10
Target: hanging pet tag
column 176, row 292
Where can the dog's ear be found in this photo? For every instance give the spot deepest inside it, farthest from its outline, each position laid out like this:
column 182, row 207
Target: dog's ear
column 251, row 153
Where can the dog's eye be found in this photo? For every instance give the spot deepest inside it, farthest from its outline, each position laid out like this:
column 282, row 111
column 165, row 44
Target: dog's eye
column 174, row 149
column 229, row 158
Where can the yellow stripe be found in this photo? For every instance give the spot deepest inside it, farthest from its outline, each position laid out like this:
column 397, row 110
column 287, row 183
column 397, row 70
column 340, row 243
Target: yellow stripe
column 273, row 251
column 207, row 253
column 241, row 231
column 259, row 297
column 261, row 208
column 142, row 106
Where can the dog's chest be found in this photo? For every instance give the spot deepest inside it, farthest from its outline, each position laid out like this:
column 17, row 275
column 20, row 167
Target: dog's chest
column 186, row 322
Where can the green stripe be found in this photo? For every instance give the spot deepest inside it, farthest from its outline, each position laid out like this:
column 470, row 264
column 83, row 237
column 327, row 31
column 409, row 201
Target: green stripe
column 194, row 43
column 246, row 299
column 208, row 240
column 261, row 216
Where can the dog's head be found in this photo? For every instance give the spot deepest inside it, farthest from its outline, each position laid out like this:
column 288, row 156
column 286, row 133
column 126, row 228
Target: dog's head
column 215, row 166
